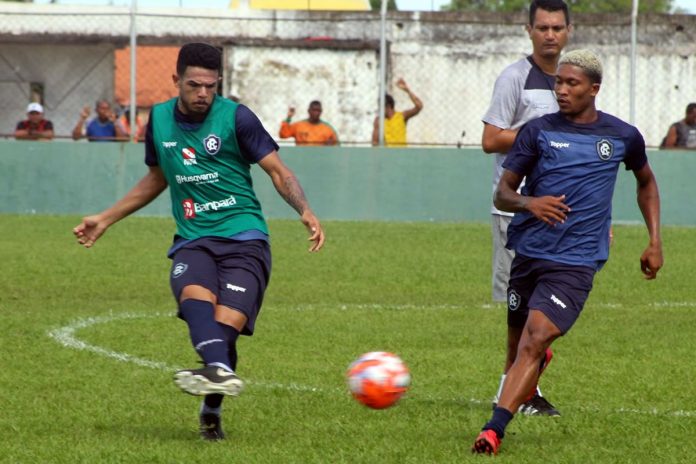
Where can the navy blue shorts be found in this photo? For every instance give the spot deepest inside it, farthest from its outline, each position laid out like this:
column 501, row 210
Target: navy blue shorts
column 557, row 290
column 236, row 271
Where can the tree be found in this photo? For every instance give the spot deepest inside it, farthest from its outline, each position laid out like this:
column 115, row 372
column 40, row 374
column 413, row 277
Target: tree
column 377, row 5
column 576, row 6
column 487, row 5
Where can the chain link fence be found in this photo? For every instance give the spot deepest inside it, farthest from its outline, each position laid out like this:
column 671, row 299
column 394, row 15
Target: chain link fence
column 67, row 60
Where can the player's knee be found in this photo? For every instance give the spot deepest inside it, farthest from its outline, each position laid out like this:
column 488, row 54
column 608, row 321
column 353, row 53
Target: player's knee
column 197, row 292
column 536, row 340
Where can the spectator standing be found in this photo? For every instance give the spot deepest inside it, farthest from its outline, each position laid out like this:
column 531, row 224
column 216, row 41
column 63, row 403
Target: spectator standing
column 395, row 121
column 102, row 128
column 35, row 127
column 682, row 134
column 310, row 131
column 523, row 91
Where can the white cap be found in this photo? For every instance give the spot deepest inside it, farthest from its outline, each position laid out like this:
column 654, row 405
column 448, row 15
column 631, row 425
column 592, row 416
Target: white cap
column 35, row 107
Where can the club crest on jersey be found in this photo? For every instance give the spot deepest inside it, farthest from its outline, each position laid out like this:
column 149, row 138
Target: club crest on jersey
column 189, row 156
column 212, row 144
column 605, row 149
column 514, row 300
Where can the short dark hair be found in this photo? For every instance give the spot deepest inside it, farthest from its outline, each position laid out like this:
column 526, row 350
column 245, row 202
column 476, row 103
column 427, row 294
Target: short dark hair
column 201, row 55
column 389, row 101
column 548, row 5
column 315, row 103
column 690, row 107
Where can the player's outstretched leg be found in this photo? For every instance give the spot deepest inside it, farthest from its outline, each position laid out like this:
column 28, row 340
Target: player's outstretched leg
column 211, row 427
column 536, row 404
column 208, row 380
column 486, row 443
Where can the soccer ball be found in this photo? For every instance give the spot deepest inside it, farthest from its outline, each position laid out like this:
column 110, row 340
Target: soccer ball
column 378, row 379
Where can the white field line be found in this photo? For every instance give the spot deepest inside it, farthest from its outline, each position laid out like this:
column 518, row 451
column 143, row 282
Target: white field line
column 66, row 336
column 407, row 307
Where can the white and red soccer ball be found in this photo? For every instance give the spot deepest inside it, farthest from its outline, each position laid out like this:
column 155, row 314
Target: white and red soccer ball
column 378, row 379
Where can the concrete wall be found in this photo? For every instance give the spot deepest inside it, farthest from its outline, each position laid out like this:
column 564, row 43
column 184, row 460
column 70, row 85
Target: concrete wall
column 450, row 60
column 269, row 80
column 72, row 75
column 341, row 183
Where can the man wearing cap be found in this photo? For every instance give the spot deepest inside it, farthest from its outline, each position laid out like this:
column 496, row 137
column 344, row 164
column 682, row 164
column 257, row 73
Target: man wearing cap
column 35, row 127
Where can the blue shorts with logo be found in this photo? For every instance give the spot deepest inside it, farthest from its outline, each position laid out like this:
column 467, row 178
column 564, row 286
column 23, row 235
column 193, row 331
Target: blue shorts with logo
column 557, row 290
column 237, row 272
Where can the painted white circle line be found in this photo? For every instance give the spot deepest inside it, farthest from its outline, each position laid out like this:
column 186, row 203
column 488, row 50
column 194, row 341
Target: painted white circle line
column 65, row 336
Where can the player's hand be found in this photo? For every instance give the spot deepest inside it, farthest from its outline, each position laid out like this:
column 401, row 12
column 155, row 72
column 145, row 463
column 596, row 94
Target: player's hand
column 651, row 261
column 401, row 83
column 548, row 209
column 316, row 233
column 89, row 230
column 291, row 112
column 84, row 114
column 611, row 235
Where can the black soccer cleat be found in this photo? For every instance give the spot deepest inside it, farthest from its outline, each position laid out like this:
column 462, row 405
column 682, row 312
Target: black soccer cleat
column 538, row 406
column 210, row 428
column 209, row 380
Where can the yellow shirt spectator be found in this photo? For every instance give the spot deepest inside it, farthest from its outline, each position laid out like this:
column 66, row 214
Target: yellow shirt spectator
column 395, row 130
column 395, row 121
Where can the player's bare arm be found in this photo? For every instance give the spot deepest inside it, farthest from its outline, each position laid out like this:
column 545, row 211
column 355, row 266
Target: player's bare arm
column 418, row 104
column 549, row 209
column 289, row 188
column 146, row 190
column 375, row 132
column 651, row 260
column 671, row 139
column 497, row 140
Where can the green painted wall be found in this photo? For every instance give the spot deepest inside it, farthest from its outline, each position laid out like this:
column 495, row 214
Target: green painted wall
column 341, row 183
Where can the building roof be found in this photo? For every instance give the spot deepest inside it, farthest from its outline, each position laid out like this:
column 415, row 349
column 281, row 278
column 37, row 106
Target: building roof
column 318, row 5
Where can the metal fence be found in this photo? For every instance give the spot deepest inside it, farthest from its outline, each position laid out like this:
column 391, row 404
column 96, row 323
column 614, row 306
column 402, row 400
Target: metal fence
column 68, row 59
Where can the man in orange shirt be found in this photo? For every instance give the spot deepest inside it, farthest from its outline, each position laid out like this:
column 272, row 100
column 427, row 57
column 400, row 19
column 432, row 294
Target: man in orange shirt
column 311, row 131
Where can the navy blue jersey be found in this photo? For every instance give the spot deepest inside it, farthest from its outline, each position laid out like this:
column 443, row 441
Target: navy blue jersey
column 580, row 161
column 254, row 141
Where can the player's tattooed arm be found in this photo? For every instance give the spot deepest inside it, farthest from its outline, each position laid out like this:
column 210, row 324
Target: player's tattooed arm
column 289, row 188
column 293, row 194
column 285, row 182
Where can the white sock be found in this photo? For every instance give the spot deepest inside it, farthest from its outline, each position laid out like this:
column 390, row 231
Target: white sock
column 500, row 388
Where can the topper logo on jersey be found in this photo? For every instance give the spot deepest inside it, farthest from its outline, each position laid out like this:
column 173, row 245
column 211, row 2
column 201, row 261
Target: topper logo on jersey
column 559, row 144
column 189, row 156
column 605, row 149
column 212, row 144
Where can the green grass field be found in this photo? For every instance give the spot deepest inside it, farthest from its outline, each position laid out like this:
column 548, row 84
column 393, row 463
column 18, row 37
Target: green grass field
column 90, row 341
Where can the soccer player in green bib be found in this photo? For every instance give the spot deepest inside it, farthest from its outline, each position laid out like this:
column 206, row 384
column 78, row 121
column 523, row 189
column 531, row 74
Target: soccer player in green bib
column 202, row 147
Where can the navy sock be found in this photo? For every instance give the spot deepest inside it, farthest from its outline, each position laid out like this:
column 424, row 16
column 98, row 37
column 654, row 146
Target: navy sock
column 207, row 337
column 214, row 401
column 500, row 420
column 232, row 336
